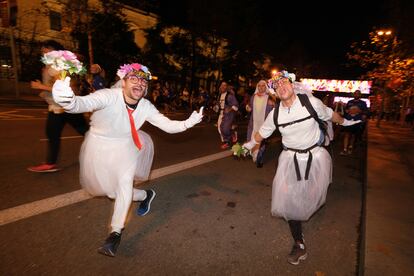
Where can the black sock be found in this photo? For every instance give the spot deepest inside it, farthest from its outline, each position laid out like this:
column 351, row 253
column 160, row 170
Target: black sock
column 296, row 230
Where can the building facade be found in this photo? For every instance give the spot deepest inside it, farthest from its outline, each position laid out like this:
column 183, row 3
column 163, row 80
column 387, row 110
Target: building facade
column 34, row 21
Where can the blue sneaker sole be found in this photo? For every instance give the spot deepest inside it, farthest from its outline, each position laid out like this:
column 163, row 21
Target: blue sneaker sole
column 149, row 205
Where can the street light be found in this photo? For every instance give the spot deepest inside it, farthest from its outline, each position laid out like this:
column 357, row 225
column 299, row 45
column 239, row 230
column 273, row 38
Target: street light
column 384, row 32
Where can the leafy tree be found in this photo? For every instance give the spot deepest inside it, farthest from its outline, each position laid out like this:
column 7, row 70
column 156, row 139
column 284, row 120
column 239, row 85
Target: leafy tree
column 207, row 45
column 382, row 58
column 387, row 63
column 109, row 35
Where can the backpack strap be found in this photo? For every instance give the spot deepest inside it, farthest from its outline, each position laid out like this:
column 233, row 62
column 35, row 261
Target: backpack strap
column 276, row 115
column 304, row 100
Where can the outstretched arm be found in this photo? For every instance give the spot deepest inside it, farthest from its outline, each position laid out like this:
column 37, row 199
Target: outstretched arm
column 64, row 96
column 265, row 131
column 171, row 126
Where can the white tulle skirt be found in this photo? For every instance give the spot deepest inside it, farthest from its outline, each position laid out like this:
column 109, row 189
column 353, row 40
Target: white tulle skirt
column 298, row 200
column 108, row 163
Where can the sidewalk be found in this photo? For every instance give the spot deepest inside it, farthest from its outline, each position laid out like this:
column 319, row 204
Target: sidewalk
column 389, row 224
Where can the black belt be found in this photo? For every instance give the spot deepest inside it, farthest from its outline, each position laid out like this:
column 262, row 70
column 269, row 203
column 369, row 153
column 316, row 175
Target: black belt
column 295, row 160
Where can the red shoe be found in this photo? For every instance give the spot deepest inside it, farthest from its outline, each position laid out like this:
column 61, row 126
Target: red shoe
column 44, row 168
column 225, row 146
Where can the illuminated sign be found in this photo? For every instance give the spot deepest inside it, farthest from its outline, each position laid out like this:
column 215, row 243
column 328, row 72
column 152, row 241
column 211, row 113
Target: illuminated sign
column 338, row 85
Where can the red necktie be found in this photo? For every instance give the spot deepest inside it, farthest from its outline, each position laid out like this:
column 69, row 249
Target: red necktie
column 133, row 129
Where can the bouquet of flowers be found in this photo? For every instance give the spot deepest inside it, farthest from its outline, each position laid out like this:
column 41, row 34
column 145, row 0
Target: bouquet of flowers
column 239, row 151
column 64, row 62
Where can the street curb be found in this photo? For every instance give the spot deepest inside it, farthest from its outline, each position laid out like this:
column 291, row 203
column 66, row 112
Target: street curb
column 362, row 226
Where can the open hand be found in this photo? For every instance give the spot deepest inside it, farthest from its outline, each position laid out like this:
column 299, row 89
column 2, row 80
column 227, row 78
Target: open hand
column 195, row 118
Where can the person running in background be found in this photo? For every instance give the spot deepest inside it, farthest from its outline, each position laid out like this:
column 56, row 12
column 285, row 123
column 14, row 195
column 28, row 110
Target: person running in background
column 56, row 117
column 228, row 106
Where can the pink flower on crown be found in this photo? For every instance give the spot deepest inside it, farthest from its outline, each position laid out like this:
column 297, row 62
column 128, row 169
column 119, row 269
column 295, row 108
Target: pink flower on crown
column 136, row 66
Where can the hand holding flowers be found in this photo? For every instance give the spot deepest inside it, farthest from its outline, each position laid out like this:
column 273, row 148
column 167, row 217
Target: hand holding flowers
column 62, row 92
column 63, row 62
column 250, row 145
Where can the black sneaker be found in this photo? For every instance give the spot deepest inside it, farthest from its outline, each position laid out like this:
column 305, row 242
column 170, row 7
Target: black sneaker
column 297, row 254
column 111, row 245
column 145, row 205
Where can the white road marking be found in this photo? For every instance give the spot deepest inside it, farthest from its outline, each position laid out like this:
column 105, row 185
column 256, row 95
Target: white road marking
column 11, row 115
column 21, row 119
column 63, row 138
column 48, row 204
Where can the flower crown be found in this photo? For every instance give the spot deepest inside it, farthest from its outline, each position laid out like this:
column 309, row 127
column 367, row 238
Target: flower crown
column 135, row 68
column 279, row 75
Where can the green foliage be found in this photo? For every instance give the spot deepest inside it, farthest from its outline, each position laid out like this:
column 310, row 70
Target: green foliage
column 112, row 42
column 176, row 51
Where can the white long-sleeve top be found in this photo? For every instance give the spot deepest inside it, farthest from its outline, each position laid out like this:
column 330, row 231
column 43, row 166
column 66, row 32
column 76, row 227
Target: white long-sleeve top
column 300, row 135
column 110, row 118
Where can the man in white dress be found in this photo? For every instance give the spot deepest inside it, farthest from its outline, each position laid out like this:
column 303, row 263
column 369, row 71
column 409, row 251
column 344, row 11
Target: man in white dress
column 304, row 167
column 115, row 151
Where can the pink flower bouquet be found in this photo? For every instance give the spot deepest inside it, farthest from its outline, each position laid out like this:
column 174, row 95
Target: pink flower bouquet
column 64, row 62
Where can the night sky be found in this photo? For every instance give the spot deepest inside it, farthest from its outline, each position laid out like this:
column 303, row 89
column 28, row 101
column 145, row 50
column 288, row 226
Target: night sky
column 317, row 34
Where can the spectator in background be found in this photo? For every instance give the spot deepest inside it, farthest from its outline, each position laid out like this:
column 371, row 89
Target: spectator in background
column 155, row 94
column 351, row 132
column 98, row 77
column 409, row 116
column 363, row 111
column 338, row 107
column 202, row 99
column 185, row 98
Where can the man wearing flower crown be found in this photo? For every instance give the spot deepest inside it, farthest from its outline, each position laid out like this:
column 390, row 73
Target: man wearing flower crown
column 304, row 167
column 115, row 150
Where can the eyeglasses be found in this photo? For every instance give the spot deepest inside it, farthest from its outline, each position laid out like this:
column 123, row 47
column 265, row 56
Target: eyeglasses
column 137, row 80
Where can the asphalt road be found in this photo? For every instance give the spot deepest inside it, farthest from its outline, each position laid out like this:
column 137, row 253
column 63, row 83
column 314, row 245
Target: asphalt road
column 212, row 219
